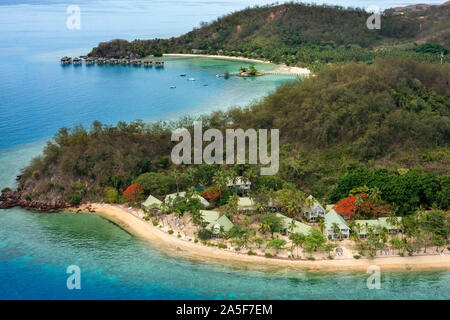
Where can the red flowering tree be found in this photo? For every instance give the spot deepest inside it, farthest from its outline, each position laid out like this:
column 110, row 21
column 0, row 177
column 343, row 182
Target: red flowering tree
column 134, row 193
column 361, row 205
column 212, row 194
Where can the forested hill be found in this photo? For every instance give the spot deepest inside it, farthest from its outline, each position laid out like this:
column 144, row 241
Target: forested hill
column 299, row 33
column 392, row 115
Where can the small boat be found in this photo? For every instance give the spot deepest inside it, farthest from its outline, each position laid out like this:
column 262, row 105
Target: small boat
column 183, row 75
column 191, row 79
column 172, row 87
column 219, row 75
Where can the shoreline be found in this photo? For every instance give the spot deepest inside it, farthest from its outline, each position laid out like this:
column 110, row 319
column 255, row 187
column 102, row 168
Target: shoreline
column 281, row 68
column 165, row 242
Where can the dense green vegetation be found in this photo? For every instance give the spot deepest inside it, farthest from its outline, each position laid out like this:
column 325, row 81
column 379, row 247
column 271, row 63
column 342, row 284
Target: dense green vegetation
column 383, row 125
column 301, row 34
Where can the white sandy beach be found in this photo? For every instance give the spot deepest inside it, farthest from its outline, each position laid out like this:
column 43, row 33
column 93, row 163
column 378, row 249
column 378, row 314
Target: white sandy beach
column 129, row 220
column 281, row 68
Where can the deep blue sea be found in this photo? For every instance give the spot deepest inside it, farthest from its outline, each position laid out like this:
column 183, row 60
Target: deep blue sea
column 38, row 96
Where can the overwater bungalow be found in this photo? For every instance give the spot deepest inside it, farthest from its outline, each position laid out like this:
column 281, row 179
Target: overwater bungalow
column 136, row 62
column 159, row 64
column 101, row 61
column 113, row 61
column 148, row 63
column 66, row 60
column 90, row 60
column 125, row 61
column 77, row 61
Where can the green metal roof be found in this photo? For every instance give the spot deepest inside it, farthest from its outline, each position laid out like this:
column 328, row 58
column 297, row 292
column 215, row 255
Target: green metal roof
column 384, row 223
column 209, row 216
column 171, row 197
column 333, row 217
column 315, row 203
column 299, row 227
column 151, row 202
column 245, row 202
column 223, row 221
column 364, row 223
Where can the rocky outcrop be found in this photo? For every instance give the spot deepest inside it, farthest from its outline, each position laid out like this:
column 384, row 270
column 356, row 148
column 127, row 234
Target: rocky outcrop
column 13, row 198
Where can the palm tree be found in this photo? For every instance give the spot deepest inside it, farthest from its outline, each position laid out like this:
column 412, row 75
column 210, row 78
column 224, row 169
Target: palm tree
column 375, row 194
column 292, row 226
column 321, row 224
column 222, row 233
column 176, row 175
column 335, row 228
column 264, row 228
column 298, row 239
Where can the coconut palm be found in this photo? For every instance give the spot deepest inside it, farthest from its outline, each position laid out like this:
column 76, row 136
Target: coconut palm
column 321, row 223
column 335, row 228
column 292, row 226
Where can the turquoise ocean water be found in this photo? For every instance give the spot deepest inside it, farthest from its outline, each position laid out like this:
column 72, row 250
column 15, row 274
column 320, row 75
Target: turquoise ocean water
column 38, row 96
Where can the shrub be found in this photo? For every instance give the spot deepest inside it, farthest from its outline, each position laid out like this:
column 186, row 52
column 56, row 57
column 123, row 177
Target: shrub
column 170, row 231
column 204, row 234
column 74, row 199
column 251, row 253
column 146, row 218
column 195, row 240
column 179, row 235
column 155, row 223
column 356, row 256
column 311, row 258
column 156, row 183
column 222, row 246
column 111, row 195
column 268, row 255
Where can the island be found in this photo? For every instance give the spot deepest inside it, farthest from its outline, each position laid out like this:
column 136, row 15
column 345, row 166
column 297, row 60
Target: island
column 364, row 148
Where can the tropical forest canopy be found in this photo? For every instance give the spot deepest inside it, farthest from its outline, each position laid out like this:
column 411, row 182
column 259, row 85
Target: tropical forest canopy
column 381, row 126
column 305, row 35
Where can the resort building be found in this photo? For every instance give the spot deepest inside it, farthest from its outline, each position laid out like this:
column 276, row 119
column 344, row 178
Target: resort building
column 364, row 226
column 151, row 203
column 171, row 197
column 245, row 204
column 332, row 220
column 222, row 223
column 312, row 208
column 392, row 228
column 215, row 222
column 209, row 216
column 66, row 60
column 239, row 183
column 375, row 225
column 292, row 226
